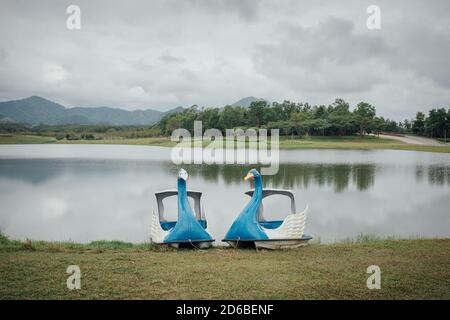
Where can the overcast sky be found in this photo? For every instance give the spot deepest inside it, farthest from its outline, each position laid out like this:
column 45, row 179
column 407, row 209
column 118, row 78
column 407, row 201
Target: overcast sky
column 162, row 54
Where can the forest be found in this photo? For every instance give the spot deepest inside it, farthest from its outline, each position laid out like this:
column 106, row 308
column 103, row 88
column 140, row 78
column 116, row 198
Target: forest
column 300, row 119
column 295, row 119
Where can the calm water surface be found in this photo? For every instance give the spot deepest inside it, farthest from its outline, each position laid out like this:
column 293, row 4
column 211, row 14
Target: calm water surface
column 92, row 192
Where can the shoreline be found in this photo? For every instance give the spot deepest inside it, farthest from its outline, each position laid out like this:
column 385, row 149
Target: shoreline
column 338, row 143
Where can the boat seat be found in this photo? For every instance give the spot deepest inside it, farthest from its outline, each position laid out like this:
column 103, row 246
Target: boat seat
column 195, row 195
column 271, row 224
column 269, row 192
column 167, row 225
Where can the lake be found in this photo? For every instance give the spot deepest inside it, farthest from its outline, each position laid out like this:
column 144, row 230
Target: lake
column 105, row 192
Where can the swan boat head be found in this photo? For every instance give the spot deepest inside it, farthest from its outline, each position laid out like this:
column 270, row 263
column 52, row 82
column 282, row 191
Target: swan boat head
column 252, row 175
column 182, row 174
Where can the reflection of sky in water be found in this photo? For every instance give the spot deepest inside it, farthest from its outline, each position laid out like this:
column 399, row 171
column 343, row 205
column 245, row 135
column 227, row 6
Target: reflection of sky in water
column 88, row 193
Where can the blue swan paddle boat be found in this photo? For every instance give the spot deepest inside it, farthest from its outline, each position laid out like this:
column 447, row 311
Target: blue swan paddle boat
column 251, row 229
column 190, row 230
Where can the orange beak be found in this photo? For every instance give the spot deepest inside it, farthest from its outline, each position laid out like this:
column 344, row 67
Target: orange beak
column 248, row 176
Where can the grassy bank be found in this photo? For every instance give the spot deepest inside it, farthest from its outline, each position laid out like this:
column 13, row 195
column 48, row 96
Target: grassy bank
column 24, row 139
column 410, row 269
column 346, row 143
column 356, row 143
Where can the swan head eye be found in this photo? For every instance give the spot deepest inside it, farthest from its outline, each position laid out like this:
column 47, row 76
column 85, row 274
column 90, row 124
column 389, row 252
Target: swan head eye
column 182, row 174
column 252, row 174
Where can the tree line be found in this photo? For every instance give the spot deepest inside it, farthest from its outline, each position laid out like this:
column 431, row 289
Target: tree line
column 81, row 132
column 299, row 119
column 435, row 125
column 292, row 118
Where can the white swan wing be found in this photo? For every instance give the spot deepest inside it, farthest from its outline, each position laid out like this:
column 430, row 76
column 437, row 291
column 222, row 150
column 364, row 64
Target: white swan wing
column 292, row 227
column 158, row 234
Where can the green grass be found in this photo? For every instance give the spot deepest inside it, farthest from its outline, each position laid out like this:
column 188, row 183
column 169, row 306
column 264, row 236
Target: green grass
column 15, row 245
column 346, row 143
column 410, row 269
column 152, row 141
column 358, row 143
column 24, row 139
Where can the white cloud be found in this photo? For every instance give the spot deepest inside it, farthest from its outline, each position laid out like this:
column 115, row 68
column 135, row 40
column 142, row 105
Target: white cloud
column 53, row 74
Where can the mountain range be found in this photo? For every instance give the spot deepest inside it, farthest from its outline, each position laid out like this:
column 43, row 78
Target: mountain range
column 36, row 110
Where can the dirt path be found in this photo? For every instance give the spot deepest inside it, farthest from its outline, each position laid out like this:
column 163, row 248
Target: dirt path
column 413, row 140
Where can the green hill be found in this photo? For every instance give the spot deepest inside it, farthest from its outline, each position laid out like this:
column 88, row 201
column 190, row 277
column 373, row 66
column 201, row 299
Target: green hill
column 37, row 110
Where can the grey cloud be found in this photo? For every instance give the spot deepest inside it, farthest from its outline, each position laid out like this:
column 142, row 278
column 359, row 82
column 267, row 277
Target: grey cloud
column 169, row 58
column 245, row 9
column 424, row 51
column 165, row 53
column 3, row 54
column 329, row 57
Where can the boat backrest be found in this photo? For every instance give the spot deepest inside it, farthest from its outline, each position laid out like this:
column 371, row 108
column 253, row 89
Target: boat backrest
column 269, row 192
column 195, row 195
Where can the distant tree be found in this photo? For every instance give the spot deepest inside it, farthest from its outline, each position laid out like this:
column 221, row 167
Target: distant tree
column 11, row 127
column 210, row 118
column 364, row 115
column 447, row 126
column 378, row 125
column 232, row 117
column 391, row 126
column 276, row 113
column 418, row 125
column 88, row 136
column 301, row 121
column 436, row 124
column 188, row 117
column 173, row 123
column 271, row 114
column 287, row 109
column 320, row 125
column 72, row 136
column 256, row 112
column 340, row 117
column 284, row 126
column 407, row 125
column 320, row 112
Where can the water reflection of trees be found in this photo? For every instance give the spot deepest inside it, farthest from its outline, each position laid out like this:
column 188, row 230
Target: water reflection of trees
column 436, row 174
column 289, row 176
